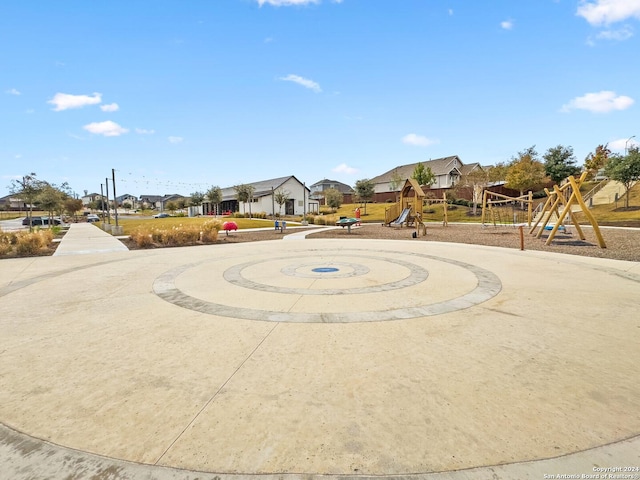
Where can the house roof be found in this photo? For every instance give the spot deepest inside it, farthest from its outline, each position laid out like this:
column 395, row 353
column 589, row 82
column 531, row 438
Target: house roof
column 341, row 187
column 151, row 198
column 439, row 166
column 465, row 169
column 261, row 188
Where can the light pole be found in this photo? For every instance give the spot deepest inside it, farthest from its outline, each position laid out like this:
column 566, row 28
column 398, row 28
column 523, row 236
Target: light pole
column 627, row 143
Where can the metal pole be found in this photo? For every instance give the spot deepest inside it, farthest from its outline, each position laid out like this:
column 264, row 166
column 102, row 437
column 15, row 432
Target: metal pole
column 115, row 202
column 106, row 182
column 102, row 201
column 627, row 142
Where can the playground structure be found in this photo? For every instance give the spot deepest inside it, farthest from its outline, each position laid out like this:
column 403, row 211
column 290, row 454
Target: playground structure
column 444, row 202
column 408, row 209
column 495, row 206
column 566, row 196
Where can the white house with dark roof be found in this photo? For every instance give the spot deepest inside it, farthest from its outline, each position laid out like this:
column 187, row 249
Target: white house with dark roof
column 298, row 198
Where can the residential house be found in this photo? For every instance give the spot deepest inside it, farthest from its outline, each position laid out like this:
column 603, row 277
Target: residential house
column 12, row 202
column 172, row 197
column 127, row 198
column 447, row 172
column 318, row 188
column 88, row 198
column 298, row 199
column 150, row 201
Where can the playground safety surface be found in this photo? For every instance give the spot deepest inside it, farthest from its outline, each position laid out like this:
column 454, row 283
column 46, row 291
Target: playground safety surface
column 318, row 357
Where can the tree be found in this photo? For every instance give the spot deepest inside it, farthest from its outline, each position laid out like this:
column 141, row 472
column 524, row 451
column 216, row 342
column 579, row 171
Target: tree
column 422, row 175
column 560, row 163
column 498, row 172
column 214, row 194
column 126, row 205
column 525, row 172
column 172, row 206
column 244, row 194
column 280, row 196
column 364, row 191
column 197, row 198
column 476, row 180
column 333, row 198
column 395, row 182
column 51, row 199
column 625, row 169
column 28, row 189
column 183, row 203
column 596, row 161
column 72, row 206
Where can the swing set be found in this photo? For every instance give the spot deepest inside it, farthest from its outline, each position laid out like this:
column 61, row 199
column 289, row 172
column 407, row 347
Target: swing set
column 495, row 209
column 566, row 197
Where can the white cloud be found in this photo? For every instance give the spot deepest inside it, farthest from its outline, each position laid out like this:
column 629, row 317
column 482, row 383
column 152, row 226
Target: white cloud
column 13, row 91
column 606, row 12
column 144, row 131
column 600, row 102
column 305, row 82
column 622, row 143
column 111, row 107
column 507, row 24
column 175, row 140
column 418, row 140
column 287, row 3
column 619, row 35
column 108, row 128
column 65, row 101
column 451, row 11
column 344, row 168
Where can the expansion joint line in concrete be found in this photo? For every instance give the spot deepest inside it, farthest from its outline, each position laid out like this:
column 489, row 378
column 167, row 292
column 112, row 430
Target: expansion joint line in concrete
column 208, row 402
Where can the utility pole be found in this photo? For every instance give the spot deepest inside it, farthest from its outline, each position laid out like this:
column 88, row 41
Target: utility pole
column 106, row 182
column 102, row 201
column 115, row 202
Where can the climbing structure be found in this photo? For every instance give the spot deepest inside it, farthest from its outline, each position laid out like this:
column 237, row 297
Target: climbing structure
column 493, row 205
column 566, row 197
column 408, row 209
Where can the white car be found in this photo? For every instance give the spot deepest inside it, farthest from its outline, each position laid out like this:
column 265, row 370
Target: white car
column 91, row 218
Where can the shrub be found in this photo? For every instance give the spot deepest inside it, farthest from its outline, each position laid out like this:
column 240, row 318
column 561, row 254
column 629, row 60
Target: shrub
column 179, row 236
column 31, row 243
column 5, row 243
column 320, row 221
column 210, row 230
column 142, row 238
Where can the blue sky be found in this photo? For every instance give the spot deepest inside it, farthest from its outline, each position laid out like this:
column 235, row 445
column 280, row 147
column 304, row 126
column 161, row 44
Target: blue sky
column 178, row 95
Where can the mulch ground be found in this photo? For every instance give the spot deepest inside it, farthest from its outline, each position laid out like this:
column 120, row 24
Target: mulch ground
column 622, row 244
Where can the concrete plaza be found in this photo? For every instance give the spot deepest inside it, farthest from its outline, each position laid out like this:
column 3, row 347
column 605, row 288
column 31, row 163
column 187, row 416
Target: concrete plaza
column 308, row 358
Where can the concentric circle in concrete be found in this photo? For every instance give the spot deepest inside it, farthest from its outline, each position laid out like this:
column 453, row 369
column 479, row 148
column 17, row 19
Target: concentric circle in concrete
column 92, row 358
column 378, row 273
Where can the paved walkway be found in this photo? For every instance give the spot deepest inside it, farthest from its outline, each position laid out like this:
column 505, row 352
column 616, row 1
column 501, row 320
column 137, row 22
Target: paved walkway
column 87, row 238
column 318, row 358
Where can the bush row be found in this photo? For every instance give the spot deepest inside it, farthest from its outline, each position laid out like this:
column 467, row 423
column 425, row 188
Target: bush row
column 25, row 243
column 177, row 236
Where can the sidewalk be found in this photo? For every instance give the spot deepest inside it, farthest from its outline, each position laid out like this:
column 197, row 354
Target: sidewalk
column 84, row 238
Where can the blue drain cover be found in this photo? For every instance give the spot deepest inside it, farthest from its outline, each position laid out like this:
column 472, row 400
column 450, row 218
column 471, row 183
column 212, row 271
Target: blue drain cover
column 325, row 269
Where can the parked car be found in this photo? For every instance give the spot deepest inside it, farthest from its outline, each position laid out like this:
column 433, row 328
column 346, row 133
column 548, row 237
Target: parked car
column 92, row 217
column 161, row 215
column 41, row 221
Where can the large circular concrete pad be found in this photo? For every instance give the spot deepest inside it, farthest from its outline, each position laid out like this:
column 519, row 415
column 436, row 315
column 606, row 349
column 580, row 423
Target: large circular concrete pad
column 322, row 356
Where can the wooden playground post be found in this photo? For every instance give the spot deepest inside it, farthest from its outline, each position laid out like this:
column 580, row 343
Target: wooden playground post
column 530, row 209
column 585, row 209
column 445, row 220
column 484, row 202
column 542, row 212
